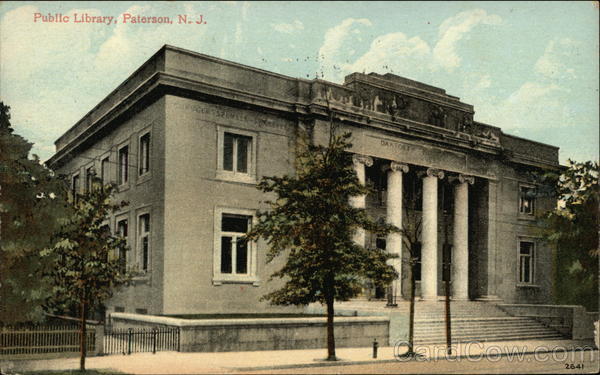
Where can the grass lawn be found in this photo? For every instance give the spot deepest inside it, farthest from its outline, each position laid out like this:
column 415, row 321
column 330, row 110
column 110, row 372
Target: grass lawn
column 244, row 316
column 71, row 372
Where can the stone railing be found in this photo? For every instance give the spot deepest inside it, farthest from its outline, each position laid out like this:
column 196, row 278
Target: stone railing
column 221, row 335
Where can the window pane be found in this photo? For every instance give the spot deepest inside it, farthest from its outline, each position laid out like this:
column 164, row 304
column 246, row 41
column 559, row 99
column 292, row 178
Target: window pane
column 241, row 257
column 225, row 254
column 228, row 152
column 145, row 253
column 123, row 165
column 243, row 144
column 380, row 243
column 144, row 153
column 526, row 268
column 234, row 223
column 104, row 171
column 526, row 248
column 122, row 228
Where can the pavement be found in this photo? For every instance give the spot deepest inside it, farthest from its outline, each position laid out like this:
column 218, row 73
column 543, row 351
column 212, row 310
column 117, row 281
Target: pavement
column 230, row 362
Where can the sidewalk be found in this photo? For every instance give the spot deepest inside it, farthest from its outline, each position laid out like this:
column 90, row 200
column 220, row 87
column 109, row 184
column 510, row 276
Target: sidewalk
column 226, row 362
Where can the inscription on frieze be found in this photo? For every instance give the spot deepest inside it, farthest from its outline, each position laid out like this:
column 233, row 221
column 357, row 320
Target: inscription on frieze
column 217, row 112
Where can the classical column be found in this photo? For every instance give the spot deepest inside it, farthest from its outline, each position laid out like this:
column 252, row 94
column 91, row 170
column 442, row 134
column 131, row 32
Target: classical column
column 460, row 248
column 429, row 249
column 360, row 201
column 394, row 217
column 487, row 258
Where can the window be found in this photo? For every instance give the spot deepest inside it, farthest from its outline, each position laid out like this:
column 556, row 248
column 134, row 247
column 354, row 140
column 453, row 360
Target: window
column 526, row 262
column 236, row 152
column 104, row 170
column 236, row 158
column 89, row 179
column 119, row 309
column 75, row 186
column 235, row 257
column 144, row 242
column 144, row 152
column 122, row 230
column 234, row 247
column 141, row 311
column 527, row 200
column 123, row 165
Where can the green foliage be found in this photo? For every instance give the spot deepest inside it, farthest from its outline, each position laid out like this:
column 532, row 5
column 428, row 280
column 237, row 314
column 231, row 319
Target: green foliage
column 85, row 255
column 32, row 204
column 313, row 223
column 573, row 227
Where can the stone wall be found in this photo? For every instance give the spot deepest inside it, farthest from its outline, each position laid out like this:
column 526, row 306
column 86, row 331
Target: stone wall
column 222, row 335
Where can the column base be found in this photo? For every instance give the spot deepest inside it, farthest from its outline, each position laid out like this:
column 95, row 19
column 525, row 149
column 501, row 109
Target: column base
column 488, row 298
column 459, row 299
column 431, row 299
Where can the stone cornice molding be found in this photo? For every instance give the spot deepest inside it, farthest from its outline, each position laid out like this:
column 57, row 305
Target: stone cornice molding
column 432, row 172
column 358, row 159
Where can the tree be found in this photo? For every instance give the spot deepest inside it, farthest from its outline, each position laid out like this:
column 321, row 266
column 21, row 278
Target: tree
column 573, row 227
column 313, row 222
column 32, row 203
column 411, row 234
column 87, row 258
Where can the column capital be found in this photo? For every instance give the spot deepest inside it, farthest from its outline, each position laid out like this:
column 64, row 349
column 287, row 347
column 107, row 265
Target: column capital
column 432, row 172
column 462, row 178
column 362, row 159
column 395, row 167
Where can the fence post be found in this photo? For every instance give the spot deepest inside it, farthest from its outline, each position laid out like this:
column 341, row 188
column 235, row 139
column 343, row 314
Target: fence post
column 99, row 339
column 154, row 332
column 129, row 335
column 178, row 332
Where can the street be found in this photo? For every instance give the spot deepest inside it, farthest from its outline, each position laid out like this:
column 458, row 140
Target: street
column 585, row 363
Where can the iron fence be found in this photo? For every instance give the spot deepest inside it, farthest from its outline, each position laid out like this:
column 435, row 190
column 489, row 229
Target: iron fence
column 141, row 340
column 39, row 339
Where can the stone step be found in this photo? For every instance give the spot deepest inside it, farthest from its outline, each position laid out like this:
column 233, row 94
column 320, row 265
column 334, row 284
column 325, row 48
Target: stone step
column 484, row 333
column 441, row 340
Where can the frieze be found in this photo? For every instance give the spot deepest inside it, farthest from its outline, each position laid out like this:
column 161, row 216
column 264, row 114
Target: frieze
column 261, row 121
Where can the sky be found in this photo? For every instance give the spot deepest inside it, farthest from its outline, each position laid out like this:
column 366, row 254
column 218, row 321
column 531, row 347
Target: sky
column 530, row 68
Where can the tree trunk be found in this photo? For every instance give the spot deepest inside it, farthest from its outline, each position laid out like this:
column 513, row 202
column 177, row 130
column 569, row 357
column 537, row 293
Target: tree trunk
column 82, row 335
column 330, row 336
column 411, row 318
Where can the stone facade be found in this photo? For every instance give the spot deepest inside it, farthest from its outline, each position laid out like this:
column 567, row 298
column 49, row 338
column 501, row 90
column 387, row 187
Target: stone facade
column 212, row 128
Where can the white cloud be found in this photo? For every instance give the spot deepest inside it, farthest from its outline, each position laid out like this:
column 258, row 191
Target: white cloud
column 555, row 61
column 453, row 29
column 288, row 28
column 392, row 52
column 333, row 54
column 397, row 52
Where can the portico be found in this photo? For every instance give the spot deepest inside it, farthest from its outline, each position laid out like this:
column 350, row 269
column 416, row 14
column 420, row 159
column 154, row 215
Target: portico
column 432, row 219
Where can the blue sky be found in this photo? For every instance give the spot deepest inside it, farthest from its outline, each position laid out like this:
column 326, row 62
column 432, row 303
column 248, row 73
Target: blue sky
column 529, row 67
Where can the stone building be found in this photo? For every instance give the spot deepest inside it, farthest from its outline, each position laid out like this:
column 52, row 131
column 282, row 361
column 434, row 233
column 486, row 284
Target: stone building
column 187, row 136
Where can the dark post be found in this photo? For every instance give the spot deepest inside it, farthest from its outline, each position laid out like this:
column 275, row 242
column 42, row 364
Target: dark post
column 448, row 324
column 178, row 332
column 154, row 340
column 129, row 336
column 375, row 345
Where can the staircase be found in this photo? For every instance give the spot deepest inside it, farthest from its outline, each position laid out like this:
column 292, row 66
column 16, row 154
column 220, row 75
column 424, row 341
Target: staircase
column 470, row 321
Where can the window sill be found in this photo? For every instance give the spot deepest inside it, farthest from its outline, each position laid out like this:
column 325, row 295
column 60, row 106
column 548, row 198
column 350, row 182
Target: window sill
column 143, row 178
column 123, row 187
column 235, row 279
column 528, row 286
column 528, row 217
column 236, row 177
